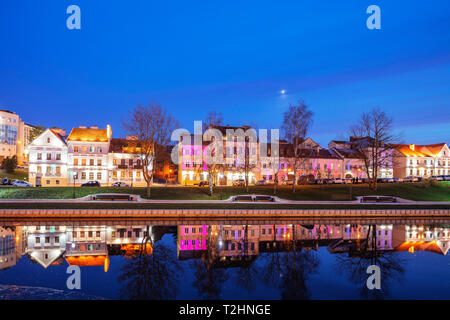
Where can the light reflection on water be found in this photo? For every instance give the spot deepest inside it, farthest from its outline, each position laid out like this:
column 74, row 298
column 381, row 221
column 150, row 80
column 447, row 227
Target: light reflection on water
column 225, row 260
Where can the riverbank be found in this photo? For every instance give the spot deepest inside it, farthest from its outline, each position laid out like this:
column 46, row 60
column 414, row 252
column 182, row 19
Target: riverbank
column 201, row 214
column 422, row 191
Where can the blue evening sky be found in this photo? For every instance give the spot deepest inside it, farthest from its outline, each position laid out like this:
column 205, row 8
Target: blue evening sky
column 230, row 56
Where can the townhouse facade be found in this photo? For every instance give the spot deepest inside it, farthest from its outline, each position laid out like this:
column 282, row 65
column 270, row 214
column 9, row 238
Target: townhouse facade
column 87, row 159
column 421, row 160
column 125, row 162
column 92, row 154
column 47, row 160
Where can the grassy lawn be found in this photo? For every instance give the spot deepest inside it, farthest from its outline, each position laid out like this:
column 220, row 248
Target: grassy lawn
column 50, row 205
column 437, row 191
column 17, row 174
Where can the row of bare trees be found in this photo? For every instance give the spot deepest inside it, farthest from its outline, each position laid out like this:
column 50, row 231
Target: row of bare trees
column 152, row 126
column 374, row 139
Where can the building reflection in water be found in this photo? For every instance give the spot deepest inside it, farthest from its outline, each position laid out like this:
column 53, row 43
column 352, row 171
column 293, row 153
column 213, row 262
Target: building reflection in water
column 227, row 245
column 289, row 252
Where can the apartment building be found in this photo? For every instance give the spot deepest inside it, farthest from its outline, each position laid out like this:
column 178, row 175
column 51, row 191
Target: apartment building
column 421, row 160
column 47, row 160
column 87, row 159
column 125, row 162
column 14, row 136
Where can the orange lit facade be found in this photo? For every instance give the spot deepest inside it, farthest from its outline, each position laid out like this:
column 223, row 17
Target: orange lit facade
column 88, row 155
column 421, row 160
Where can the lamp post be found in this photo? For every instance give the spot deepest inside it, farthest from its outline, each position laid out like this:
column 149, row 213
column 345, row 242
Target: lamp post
column 74, row 177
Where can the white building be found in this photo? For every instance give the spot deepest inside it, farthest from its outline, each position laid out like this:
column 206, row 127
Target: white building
column 14, row 136
column 45, row 244
column 88, row 155
column 421, row 160
column 47, row 160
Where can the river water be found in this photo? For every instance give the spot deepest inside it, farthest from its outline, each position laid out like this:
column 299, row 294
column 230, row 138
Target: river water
column 224, row 259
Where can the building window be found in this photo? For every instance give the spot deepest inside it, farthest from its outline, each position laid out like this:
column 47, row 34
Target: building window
column 49, row 156
column 48, row 140
column 91, row 149
column 115, row 174
column 91, row 162
column 39, row 169
column 83, row 149
column 58, row 170
column 38, row 240
column 39, row 156
column 83, row 162
column 57, row 181
column 75, row 149
column 99, row 150
column 83, row 175
column 97, row 234
column 130, row 174
column 91, row 176
column 99, row 176
column 58, row 156
column 75, row 161
column 99, row 162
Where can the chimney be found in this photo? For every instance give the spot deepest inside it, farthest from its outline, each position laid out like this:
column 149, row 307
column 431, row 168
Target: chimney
column 93, row 127
column 82, row 127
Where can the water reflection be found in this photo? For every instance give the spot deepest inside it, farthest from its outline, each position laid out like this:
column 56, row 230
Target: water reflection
column 281, row 256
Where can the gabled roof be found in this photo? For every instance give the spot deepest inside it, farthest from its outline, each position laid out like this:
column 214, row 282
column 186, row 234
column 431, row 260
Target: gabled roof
column 53, row 132
column 436, row 246
column 90, row 134
column 287, row 151
column 430, row 150
column 56, row 133
column 52, row 256
column 87, row 260
column 124, row 146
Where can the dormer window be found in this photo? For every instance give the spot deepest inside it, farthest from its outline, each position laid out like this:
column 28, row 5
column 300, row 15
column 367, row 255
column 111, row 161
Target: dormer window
column 48, row 140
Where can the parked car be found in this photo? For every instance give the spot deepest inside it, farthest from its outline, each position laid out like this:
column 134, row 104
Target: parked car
column 239, row 182
column 438, row 178
column 318, row 181
column 120, row 184
column 261, row 182
column 411, row 179
column 204, row 184
column 338, row 181
column 398, row 179
column 19, row 183
column 288, row 182
column 347, row 181
column 6, row 181
column 91, row 184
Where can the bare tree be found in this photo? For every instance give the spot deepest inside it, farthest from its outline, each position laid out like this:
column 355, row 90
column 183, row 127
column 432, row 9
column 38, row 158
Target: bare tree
column 373, row 140
column 152, row 126
column 296, row 124
column 212, row 119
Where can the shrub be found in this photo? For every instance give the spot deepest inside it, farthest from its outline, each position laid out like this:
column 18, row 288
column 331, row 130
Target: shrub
column 9, row 164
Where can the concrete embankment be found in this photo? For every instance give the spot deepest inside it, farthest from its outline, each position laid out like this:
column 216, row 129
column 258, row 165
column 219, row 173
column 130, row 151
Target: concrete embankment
column 223, row 213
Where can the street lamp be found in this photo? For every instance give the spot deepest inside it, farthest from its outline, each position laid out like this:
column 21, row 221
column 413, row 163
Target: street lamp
column 74, row 177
